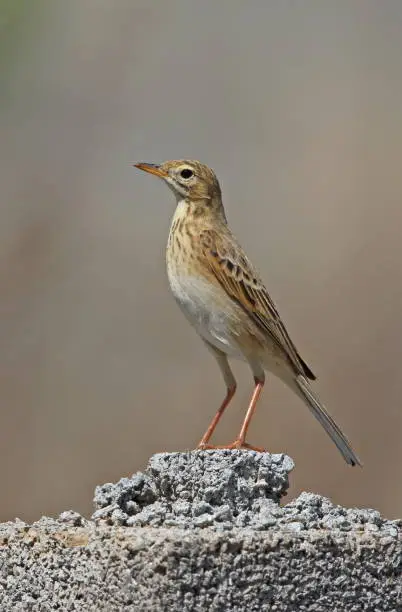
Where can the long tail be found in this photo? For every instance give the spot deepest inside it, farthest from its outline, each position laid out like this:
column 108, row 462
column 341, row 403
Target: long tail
column 322, row 416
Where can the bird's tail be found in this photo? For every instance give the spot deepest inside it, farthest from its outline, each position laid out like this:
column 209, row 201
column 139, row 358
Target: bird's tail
column 310, row 398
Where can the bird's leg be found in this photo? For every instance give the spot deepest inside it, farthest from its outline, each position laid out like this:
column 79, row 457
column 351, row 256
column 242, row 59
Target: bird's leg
column 240, row 442
column 207, row 435
column 259, row 379
column 231, row 390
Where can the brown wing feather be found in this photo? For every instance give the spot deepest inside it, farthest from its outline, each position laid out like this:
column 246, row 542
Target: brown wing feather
column 236, row 275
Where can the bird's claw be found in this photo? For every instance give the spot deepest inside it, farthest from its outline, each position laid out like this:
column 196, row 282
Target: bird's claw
column 236, row 445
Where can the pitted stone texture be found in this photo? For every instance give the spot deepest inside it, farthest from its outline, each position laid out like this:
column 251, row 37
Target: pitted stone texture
column 53, row 566
column 310, row 511
column 307, row 556
column 221, row 477
column 225, row 490
column 222, row 489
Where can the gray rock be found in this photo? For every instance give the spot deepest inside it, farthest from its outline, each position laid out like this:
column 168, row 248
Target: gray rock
column 158, row 569
column 204, row 531
column 224, row 489
column 198, row 488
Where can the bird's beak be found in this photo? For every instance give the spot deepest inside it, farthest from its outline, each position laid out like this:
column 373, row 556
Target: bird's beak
column 152, row 169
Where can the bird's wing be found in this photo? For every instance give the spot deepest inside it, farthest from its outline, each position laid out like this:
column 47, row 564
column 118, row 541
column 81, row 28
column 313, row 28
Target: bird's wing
column 235, row 274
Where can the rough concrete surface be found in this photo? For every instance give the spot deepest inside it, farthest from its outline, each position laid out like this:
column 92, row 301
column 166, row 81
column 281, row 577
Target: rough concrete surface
column 204, row 531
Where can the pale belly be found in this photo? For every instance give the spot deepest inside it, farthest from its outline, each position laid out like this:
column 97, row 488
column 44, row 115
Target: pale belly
column 202, row 305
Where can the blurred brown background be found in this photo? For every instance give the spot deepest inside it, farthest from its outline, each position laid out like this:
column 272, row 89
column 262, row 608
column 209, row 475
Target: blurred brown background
column 298, row 107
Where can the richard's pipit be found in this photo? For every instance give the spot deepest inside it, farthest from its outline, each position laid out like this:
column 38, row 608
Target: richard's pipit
column 223, row 297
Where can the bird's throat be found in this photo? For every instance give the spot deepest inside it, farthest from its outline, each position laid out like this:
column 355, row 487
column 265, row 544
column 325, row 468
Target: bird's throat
column 201, row 210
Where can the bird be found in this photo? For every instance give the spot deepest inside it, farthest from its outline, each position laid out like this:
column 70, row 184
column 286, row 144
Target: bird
column 223, row 297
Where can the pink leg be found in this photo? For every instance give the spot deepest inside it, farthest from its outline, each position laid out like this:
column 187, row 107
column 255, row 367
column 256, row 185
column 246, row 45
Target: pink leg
column 240, row 442
column 207, row 435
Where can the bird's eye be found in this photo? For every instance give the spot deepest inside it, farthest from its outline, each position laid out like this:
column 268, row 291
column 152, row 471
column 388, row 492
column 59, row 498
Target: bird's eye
column 186, row 173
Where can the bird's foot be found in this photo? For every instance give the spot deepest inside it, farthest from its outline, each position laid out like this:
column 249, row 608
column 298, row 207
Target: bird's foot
column 236, row 445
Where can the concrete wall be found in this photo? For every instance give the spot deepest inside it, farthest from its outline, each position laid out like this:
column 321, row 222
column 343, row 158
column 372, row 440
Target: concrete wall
column 204, row 531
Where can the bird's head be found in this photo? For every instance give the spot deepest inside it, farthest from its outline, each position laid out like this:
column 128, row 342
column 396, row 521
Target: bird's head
column 189, row 180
